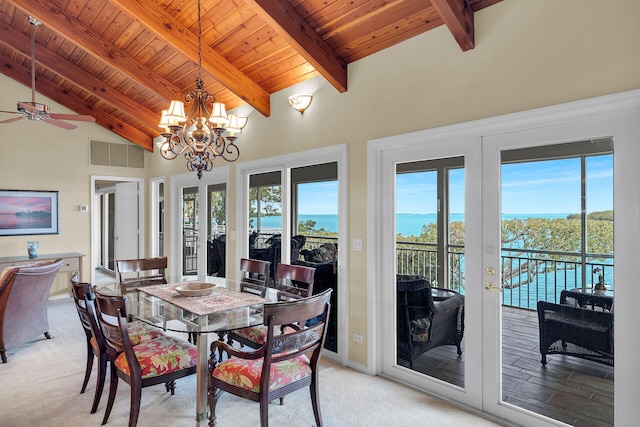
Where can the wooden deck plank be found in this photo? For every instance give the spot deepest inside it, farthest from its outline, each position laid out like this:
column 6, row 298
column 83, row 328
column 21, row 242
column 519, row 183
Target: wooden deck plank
column 569, row 389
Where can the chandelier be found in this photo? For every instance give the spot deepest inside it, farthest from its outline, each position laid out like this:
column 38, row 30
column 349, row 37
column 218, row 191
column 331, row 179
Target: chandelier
column 202, row 134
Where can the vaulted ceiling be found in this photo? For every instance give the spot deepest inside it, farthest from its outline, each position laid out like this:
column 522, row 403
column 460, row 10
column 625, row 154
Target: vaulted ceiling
column 122, row 61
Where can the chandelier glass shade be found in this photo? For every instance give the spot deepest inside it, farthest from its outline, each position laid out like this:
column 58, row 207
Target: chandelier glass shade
column 205, row 132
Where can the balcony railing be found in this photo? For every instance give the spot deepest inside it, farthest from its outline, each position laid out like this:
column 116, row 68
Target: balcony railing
column 528, row 276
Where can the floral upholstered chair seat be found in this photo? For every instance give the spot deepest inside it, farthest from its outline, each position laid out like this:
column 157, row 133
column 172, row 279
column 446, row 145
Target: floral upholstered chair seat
column 160, row 356
column 245, row 373
column 140, row 332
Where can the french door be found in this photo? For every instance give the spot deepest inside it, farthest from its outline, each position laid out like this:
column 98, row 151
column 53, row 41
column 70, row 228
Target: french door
column 198, row 225
column 483, row 148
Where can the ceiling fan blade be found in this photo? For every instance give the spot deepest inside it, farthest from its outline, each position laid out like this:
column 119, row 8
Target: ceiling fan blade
column 15, row 119
column 76, row 117
column 30, row 108
column 61, row 124
column 10, row 112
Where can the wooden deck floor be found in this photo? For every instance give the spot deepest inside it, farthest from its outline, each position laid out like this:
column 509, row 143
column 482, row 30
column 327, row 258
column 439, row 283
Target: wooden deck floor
column 575, row 391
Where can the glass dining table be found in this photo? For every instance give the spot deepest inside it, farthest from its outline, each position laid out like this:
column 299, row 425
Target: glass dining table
column 222, row 310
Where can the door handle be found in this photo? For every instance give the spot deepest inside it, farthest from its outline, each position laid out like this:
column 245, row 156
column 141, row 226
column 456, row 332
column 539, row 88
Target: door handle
column 492, row 287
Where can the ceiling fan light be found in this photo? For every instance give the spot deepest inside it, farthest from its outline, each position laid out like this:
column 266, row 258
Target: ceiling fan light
column 219, row 115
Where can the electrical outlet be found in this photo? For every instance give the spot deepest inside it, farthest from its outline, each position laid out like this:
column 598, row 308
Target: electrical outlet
column 357, row 338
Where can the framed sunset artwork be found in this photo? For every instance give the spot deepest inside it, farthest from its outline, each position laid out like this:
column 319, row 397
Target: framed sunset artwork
column 25, row 212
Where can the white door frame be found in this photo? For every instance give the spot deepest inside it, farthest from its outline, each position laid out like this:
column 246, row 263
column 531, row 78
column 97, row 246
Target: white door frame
column 336, row 153
column 154, row 215
column 218, row 175
column 615, row 115
column 95, row 217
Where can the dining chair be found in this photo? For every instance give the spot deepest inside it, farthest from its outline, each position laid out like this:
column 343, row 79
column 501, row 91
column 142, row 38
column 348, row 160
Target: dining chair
column 139, row 332
column 134, row 273
column 254, row 276
column 292, row 282
column 280, row 366
column 160, row 360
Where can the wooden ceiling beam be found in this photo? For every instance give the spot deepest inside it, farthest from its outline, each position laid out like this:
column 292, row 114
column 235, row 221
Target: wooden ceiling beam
column 166, row 28
column 50, row 60
column 81, row 35
column 458, row 17
column 23, row 75
column 283, row 18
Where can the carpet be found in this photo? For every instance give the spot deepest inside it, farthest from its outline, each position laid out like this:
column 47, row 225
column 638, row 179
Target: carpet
column 41, row 387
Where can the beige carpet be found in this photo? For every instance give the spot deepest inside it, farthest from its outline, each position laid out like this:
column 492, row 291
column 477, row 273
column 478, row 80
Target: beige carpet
column 40, row 386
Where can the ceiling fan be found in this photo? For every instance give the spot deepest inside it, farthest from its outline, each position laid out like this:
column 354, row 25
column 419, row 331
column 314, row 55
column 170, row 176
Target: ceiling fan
column 36, row 111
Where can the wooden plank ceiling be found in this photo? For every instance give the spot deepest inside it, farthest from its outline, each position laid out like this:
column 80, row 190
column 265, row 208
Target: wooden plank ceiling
column 122, row 61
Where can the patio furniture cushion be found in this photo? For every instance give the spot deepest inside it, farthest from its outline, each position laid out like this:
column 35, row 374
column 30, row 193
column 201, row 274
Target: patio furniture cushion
column 420, row 329
column 245, row 373
column 160, row 356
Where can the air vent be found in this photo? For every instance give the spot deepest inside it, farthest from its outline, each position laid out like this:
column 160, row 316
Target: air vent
column 115, row 154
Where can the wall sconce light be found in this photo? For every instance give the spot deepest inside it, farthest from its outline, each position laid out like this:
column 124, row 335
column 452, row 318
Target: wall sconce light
column 300, row 102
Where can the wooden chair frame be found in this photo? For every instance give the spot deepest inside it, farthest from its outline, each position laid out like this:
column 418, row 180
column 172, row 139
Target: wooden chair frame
column 150, row 271
column 84, row 299
column 279, row 347
column 116, row 338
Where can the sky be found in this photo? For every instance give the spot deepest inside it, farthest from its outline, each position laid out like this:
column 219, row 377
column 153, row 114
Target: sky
column 9, row 205
column 318, row 198
column 544, row 187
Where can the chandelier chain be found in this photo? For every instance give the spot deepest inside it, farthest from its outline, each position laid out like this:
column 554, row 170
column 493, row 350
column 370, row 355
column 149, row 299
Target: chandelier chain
column 199, row 45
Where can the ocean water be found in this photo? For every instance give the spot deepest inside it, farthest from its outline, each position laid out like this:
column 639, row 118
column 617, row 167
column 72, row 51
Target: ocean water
column 406, row 224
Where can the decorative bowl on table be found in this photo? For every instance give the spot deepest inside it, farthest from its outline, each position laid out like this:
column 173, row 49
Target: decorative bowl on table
column 195, row 289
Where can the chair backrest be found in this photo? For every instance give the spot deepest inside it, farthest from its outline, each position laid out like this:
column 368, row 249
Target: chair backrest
column 254, row 271
column 84, row 298
column 134, row 273
column 24, row 293
column 111, row 312
column 297, row 340
column 294, row 281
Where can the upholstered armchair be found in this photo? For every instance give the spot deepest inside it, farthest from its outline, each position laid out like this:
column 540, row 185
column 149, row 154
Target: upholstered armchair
column 24, row 292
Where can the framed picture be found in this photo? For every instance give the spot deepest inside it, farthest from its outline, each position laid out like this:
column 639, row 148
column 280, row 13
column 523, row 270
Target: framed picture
column 24, row 212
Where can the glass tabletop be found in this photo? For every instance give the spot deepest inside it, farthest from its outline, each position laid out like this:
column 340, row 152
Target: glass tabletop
column 223, row 310
column 161, row 305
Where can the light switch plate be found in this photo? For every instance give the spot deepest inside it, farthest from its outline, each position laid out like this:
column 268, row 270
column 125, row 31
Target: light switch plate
column 357, row 245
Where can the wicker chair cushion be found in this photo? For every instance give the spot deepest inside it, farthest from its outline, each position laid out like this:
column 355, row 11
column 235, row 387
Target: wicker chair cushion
column 246, row 373
column 140, row 332
column 420, row 329
column 160, row 356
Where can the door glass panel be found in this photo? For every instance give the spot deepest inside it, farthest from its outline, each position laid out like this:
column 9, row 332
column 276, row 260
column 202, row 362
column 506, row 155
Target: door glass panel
column 265, row 218
column 216, row 234
column 430, row 268
column 315, row 232
column 557, row 250
column 190, row 231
